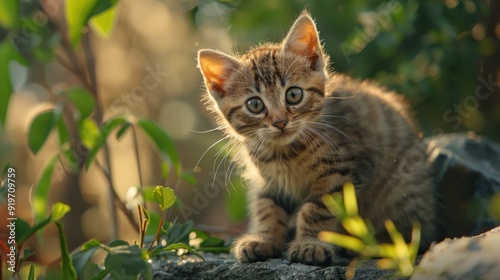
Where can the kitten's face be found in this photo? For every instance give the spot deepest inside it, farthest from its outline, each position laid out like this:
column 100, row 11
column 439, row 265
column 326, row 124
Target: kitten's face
column 271, row 93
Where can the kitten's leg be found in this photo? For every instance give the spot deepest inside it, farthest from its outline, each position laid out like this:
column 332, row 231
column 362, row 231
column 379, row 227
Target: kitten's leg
column 269, row 232
column 312, row 218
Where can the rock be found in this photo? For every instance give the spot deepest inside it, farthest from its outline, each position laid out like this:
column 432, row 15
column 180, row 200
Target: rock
column 225, row 267
column 467, row 173
column 475, row 257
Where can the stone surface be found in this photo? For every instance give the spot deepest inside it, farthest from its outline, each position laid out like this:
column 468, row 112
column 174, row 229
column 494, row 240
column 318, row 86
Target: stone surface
column 475, row 257
column 225, row 267
column 467, row 173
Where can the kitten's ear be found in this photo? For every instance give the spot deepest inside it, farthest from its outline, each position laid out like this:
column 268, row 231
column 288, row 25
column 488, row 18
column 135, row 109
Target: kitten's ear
column 216, row 68
column 303, row 39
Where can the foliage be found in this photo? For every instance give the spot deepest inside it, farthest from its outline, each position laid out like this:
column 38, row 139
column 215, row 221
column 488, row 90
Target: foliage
column 77, row 118
column 399, row 255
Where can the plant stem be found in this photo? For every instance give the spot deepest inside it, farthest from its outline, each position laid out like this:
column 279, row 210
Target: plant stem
column 138, row 163
column 158, row 231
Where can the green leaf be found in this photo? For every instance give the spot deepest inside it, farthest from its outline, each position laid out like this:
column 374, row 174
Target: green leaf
column 78, row 13
column 154, row 223
column 40, row 130
column 7, row 53
column 91, row 271
column 5, row 85
column 341, row 240
column 81, row 257
column 175, row 247
column 41, row 191
column 117, row 243
column 179, row 232
column 9, row 13
column 104, row 22
column 67, row 269
column 58, row 211
column 188, row 177
column 212, row 241
column 124, row 128
column 107, row 128
column 148, row 194
column 31, row 275
column 162, row 141
column 164, row 196
column 89, row 133
column 23, row 230
column 128, row 261
column 83, row 102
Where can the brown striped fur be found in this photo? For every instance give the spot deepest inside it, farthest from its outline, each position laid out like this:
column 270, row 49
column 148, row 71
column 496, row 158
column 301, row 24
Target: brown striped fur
column 341, row 130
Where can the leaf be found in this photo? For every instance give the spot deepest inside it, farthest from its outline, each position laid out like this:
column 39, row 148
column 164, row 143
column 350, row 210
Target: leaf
column 128, row 261
column 344, row 241
column 67, row 269
column 176, row 247
column 188, row 177
column 78, row 14
column 89, row 133
column 104, row 22
column 9, row 13
column 117, row 243
column 58, row 211
column 179, row 233
column 23, row 230
column 7, row 53
column 124, row 128
column 83, row 102
column 106, row 129
column 41, row 191
column 148, row 194
column 31, row 275
column 40, row 129
column 81, row 257
column 212, row 241
column 162, row 141
column 154, row 223
column 62, row 131
column 164, row 196
column 351, row 205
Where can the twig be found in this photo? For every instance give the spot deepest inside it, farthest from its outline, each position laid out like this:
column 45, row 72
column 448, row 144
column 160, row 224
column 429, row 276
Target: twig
column 138, row 163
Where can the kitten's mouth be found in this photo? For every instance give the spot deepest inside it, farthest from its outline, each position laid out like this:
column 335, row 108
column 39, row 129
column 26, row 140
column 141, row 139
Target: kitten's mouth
column 285, row 137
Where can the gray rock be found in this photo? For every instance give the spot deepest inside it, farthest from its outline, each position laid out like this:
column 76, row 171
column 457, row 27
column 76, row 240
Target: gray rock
column 467, row 173
column 225, row 267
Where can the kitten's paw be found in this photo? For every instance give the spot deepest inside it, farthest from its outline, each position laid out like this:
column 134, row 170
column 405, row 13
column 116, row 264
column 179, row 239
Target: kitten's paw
column 255, row 247
column 311, row 251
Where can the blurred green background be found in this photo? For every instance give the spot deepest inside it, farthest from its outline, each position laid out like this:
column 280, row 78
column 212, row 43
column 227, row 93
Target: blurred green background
column 444, row 56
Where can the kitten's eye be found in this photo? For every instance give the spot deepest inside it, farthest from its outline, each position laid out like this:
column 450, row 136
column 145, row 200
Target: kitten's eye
column 294, row 95
column 255, row 105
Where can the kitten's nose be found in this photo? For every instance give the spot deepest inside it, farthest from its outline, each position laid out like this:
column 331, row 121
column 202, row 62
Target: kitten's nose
column 280, row 124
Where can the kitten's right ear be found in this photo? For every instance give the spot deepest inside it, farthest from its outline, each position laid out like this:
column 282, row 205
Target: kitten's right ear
column 216, row 68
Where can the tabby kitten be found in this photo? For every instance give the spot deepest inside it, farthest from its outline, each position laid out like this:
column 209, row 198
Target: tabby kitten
column 303, row 132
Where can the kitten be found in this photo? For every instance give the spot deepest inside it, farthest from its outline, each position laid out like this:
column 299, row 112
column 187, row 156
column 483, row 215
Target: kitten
column 304, row 132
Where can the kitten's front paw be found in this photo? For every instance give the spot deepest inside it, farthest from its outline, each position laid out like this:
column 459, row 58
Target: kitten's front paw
column 311, row 251
column 255, row 247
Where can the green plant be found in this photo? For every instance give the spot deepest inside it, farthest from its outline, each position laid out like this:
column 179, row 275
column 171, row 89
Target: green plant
column 398, row 255
column 78, row 119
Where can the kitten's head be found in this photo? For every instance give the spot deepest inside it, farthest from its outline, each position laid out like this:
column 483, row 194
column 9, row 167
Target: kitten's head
column 274, row 90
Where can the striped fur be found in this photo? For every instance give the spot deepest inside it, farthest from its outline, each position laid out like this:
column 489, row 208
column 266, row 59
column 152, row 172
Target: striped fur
column 293, row 153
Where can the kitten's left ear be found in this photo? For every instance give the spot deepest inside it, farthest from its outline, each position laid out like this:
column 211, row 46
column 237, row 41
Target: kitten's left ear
column 303, row 39
column 216, row 68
